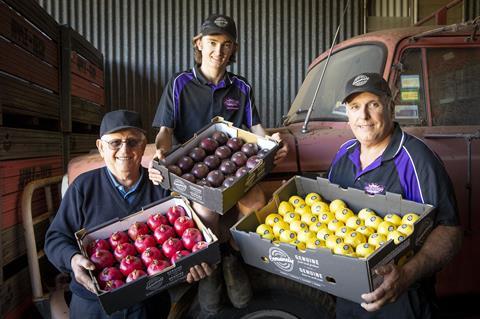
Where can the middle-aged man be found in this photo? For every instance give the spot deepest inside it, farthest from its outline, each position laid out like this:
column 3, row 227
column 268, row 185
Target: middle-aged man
column 115, row 191
column 384, row 158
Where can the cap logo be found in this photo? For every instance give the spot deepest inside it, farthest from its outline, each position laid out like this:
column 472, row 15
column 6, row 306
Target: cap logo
column 221, row 22
column 360, row 80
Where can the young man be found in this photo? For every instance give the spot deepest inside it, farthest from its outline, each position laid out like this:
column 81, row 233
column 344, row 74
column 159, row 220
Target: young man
column 117, row 190
column 189, row 102
column 384, row 158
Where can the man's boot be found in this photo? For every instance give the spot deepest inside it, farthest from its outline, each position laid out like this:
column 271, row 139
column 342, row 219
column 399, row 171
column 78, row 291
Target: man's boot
column 210, row 294
column 237, row 282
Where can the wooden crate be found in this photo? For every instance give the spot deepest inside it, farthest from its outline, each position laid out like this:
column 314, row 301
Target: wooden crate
column 14, row 291
column 30, row 61
column 82, row 143
column 13, row 239
column 14, row 175
column 82, row 81
column 23, row 143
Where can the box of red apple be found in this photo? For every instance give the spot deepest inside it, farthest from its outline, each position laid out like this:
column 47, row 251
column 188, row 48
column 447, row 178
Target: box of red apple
column 146, row 252
column 218, row 165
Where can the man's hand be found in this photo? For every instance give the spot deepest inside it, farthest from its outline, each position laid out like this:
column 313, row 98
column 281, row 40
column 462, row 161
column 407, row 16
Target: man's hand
column 282, row 151
column 80, row 264
column 154, row 174
column 199, row 272
column 395, row 282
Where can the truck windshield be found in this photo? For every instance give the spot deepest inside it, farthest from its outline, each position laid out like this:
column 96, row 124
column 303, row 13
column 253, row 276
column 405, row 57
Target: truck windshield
column 343, row 65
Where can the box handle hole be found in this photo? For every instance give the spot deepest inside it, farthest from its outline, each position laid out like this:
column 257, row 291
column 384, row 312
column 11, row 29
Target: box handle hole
column 330, row 279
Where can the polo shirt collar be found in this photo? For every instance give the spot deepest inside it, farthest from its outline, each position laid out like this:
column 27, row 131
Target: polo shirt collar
column 396, row 143
column 200, row 77
column 121, row 188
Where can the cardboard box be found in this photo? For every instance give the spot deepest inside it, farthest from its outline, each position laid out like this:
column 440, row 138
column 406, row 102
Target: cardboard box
column 142, row 288
column 217, row 199
column 342, row 276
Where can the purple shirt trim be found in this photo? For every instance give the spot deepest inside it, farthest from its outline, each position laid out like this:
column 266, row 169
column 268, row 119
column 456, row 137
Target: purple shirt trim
column 245, row 89
column 408, row 176
column 342, row 150
column 178, row 85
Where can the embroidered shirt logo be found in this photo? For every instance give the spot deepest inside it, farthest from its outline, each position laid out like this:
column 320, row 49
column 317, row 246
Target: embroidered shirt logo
column 360, row 80
column 374, row 188
column 231, row 104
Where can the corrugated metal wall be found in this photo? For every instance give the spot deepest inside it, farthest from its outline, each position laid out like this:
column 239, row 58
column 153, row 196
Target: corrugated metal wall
column 390, row 8
column 471, row 9
column 145, row 42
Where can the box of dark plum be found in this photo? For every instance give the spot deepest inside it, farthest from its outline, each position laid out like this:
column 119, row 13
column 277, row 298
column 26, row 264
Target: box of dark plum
column 147, row 252
column 217, row 166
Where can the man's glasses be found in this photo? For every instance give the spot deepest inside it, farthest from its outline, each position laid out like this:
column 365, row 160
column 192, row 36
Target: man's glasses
column 117, row 143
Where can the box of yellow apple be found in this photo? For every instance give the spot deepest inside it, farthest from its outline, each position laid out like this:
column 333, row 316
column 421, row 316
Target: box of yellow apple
column 331, row 238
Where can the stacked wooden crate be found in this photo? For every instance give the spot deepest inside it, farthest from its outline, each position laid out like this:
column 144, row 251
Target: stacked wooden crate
column 82, row 92
column 51, row 105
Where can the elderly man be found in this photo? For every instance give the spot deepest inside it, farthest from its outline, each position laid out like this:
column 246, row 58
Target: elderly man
column 384, row 158
column 115, row 191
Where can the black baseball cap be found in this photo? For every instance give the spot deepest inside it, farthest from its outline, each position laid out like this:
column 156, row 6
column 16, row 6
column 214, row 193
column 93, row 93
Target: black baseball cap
column 367, row 82
column 118, row 120
column 219, row 24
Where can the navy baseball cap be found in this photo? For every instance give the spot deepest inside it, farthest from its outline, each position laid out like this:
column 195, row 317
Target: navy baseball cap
column 119, row 120
column 367, row 82
column 219, row 24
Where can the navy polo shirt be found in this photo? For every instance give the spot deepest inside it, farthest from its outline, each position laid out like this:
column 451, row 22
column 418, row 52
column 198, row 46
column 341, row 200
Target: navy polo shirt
column 189, row 102
column 407, row 167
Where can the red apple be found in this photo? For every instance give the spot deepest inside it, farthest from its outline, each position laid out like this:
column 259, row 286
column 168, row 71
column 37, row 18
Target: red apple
column 235, row 143
column 102, row 258
column 220, row 137
column 134, row 275
column 162, row 233
column 199, row 246
column 129, row 264
column 229, row 181
column 156, row 220
column 143, row 242
column 113, row 284
column 136, row 229
column 228, row 167
column 150, row 254
column 185, row 163
column 157, row 266
column 96, row 245
column 239, row 158
column 250, row 149
column 200, row 170
column 190, row 237
column 107, row 274
column 179, row 255
column 171, row 246
column 215, row 178
column 189, row 177
column 212, row 161
column 118, row 237
column 223, row 152
column 252, row 162
column 174, row 212
column 123, row 250
column 197, row 154
column 209, row 145
column 182, row 223
column 241, row 171
column 174, row 169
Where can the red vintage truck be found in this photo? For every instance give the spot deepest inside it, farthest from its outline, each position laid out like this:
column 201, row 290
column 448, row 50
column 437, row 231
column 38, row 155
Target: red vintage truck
column 433, row 72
